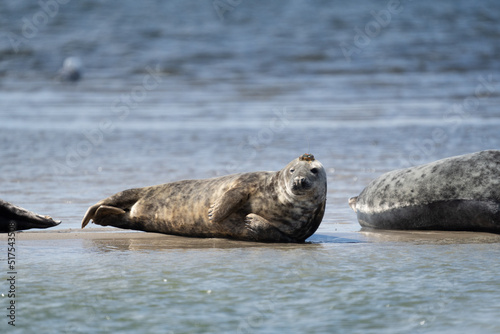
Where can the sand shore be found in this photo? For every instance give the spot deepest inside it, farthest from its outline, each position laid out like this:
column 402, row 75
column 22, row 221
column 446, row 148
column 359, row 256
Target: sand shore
column 117, row 237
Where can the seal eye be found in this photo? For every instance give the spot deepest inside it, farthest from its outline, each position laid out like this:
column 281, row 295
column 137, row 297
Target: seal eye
column 292, row 170
column 314, row 170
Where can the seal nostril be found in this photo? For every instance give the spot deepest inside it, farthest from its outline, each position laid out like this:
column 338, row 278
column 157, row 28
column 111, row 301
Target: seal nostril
column 299, row 181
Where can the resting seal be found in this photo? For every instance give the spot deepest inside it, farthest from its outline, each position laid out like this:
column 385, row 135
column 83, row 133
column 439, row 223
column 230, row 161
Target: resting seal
column 460, row 193
column 14, row 218
column 283, row 206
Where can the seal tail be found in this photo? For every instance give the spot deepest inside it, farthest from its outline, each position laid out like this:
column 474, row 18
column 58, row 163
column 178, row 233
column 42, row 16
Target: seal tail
column 352, row 203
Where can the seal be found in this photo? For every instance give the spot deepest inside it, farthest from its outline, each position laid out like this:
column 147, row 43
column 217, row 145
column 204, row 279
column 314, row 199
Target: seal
column 460, row 193
column 283, row 206
column 14, row 218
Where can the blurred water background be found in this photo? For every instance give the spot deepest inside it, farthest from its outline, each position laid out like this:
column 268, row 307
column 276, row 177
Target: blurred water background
column 194, row 89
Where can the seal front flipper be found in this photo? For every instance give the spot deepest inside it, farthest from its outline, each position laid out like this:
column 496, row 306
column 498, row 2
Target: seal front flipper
column 255, row 223
column 261, row 229
column 229, row 202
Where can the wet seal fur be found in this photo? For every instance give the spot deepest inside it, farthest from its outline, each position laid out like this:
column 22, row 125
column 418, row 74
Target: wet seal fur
column 14, row 218
column 460, row 193
column 283, row 206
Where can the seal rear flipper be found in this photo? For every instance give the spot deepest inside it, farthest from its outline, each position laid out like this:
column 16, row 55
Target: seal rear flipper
column 38, row 222
column 15, row 218
column 105, row 210
column 112, row 216
column 90, row 214
column 229, row 202
column 99, row 212
column 123, row 201
column 26, row 223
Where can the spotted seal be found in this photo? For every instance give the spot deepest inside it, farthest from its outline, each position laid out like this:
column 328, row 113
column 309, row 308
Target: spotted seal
column 14, row 218
column 283, row 206
column 459, row 193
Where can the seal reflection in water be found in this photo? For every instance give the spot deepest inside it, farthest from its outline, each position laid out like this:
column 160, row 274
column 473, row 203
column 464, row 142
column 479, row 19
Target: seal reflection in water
column 460, row 193
column 283, row 206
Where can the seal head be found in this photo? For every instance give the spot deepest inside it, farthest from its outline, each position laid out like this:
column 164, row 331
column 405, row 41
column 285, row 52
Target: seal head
column 304, row 175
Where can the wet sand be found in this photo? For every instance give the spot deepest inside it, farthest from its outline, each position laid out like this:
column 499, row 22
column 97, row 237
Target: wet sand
column 143, row 240
column 129, row 240
column 430, row 237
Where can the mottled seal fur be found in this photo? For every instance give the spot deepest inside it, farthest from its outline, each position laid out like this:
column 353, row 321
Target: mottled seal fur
column 460, row 193
column 283, row 206
column 14, row 218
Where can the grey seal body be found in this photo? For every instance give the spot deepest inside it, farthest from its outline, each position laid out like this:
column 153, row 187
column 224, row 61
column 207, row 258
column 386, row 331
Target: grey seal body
column 14, row 218
column 283, row 206
column 457, row 193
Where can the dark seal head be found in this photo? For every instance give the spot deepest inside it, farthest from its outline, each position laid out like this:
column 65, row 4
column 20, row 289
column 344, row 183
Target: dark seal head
column 460, row 193
column 283, row 206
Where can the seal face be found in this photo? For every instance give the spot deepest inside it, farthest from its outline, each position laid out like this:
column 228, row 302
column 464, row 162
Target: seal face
column 283, row 206
column 457, row 193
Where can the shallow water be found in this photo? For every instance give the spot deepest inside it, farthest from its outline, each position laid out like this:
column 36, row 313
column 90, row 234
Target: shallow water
column 99, row 286
column 171, row 91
